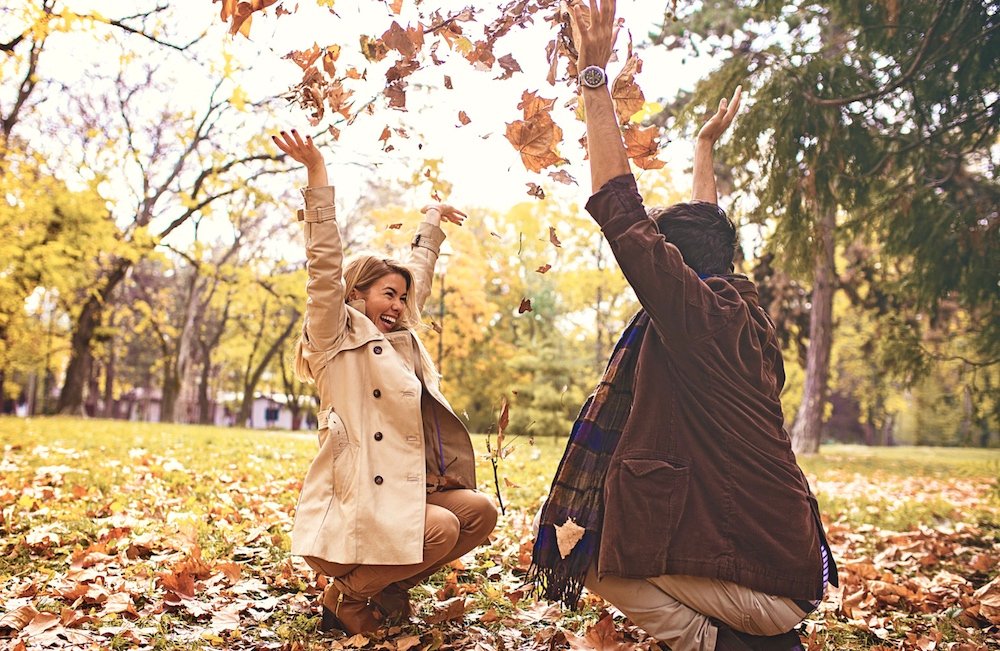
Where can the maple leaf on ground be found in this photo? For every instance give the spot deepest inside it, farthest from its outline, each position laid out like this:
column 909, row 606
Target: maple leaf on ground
column 627, row 95
column 454, row 608
column 535, row 190
column 19, row 618
column 407, row 643
column 525, row 306
column 641, row 145
column 603, row 636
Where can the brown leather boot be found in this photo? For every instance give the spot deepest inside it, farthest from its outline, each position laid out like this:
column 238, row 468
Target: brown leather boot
column 347, row 613
column 394, row 602
column 727, row 640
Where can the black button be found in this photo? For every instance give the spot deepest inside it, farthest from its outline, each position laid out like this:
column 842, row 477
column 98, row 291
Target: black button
column 378, row 436
column 377, row 350
column 377, row 393
column 378, row 479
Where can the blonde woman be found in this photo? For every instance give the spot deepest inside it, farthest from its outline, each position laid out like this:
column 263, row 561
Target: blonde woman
column 391, row 494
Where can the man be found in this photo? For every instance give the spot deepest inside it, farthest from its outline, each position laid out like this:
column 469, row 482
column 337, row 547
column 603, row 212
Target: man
column 678, row 498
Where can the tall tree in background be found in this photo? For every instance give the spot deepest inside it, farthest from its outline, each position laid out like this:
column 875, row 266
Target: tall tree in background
column 870, row 119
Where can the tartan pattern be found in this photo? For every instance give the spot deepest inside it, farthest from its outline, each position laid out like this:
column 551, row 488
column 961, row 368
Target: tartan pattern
column 577, row 490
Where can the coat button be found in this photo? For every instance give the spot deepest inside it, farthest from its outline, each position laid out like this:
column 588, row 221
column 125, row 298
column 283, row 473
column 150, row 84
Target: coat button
column 378, row 479
column 378, row 436
column 377, row 393
column 377, row 350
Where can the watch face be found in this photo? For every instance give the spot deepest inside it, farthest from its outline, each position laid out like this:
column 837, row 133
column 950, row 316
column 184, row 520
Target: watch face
column 592, row 77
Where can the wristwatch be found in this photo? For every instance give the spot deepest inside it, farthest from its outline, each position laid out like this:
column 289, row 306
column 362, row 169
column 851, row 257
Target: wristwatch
column 593, row 77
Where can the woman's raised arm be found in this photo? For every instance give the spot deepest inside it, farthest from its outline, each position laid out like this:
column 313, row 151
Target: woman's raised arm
column 427, row 246
column 326, row 316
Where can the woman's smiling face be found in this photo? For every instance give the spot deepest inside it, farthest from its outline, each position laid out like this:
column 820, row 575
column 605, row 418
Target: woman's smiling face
column 385, row 301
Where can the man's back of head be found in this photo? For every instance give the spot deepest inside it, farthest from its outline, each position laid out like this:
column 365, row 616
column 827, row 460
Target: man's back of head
column 703, row 233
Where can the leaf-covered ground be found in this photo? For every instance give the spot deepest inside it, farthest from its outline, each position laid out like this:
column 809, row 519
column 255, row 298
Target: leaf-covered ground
column 136, row 536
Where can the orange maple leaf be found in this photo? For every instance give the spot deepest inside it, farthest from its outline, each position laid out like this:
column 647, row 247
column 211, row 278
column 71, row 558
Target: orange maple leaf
column 627, row 95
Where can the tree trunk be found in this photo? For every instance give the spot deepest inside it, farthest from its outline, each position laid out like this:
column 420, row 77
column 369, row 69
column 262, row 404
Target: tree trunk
column 81, row 357
column 250, row 384
column 805, row 432
column 171, row 390
column 109, row 383
column 205, row 415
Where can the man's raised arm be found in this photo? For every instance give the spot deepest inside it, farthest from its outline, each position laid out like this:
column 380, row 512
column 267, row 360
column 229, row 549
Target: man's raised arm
column 604, row 139
column 704, row 173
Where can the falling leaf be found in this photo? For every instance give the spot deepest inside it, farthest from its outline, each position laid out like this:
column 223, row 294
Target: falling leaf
column 396, row 92
column 509, row 484
column 525, row 306
column 509, row 65
column 396, row 226
column 373, row 49
column 568, row 534
column 463, row 118
column 447, row 82
column 396, row 6
column 562, row 176
column 544, row 268
column 305, row 58
column 553, row 238
column 625, row 92
column 535, row 190
column 641, row 146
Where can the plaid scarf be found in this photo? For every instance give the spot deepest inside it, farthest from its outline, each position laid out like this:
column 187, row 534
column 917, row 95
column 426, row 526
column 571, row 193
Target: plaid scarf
column 578, row 488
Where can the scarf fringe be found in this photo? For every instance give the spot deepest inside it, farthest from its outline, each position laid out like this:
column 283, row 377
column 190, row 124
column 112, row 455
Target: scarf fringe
column 561, row 579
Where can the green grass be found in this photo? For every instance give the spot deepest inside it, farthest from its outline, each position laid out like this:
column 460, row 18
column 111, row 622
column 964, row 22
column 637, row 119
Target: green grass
column 229, row 494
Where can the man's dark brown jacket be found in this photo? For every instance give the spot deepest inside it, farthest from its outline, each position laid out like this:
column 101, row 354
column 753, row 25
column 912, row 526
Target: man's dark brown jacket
column 703, row 481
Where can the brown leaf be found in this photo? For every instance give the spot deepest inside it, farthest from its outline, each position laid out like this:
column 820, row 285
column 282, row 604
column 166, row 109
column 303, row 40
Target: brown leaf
column 562, row 176
column 373, row 49
column 531, row 104
column 396, row 6
column 603, row 636
column 447, row 82
column 180, row 584
column 535, row 190
column 627, row 95
column 19, row 618
column 395, row 227
column 464, row 118
column 407, row 643
column 544, row 268
column 40, row 623
column 338, row 98
column 396, row 92
column 452, row 609
column 509, row 65
column 503, row 420
column 305, row 58
column 536, row 140
column 553, row 238
column 329, row 60
column 509, row 484
column 232, row 571
column 525, row 306
column 641, row 145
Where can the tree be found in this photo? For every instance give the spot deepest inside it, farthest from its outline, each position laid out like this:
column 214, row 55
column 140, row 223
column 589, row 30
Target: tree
column 895, row 142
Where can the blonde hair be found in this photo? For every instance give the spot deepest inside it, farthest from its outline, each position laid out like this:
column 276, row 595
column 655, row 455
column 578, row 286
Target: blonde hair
column 363, row 271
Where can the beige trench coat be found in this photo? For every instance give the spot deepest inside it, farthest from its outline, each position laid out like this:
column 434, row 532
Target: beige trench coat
column 363, row 498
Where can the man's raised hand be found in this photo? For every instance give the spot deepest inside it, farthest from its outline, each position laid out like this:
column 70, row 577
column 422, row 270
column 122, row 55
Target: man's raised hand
column 597, row 35
column 720, row 121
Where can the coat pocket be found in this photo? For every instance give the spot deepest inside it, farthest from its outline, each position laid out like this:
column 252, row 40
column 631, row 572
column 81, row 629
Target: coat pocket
column 647, row 499
column 338, row 448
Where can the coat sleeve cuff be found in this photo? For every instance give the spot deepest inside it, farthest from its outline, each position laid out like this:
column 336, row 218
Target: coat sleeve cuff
column 429, row 237
column 319, row 204
column 617, row 206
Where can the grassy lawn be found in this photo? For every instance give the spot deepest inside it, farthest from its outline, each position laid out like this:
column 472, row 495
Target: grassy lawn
column 127, row 535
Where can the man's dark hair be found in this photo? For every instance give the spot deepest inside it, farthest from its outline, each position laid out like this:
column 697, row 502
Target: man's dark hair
column 701, row 230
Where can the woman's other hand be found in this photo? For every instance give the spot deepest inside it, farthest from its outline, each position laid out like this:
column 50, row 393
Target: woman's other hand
column 435, row 212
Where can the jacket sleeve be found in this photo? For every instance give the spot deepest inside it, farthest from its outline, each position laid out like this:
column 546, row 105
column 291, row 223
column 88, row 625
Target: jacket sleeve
column 326, row 315
column 681, row 306
column 424, row 252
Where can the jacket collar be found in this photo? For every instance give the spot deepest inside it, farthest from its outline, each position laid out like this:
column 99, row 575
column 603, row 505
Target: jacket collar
column 742, row 284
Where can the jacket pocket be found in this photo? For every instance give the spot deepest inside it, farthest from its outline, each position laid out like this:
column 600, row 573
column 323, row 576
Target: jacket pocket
column 341, row 453
column 647, row 500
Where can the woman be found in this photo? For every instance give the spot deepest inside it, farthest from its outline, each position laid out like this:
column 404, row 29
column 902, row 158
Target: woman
column 391, row 495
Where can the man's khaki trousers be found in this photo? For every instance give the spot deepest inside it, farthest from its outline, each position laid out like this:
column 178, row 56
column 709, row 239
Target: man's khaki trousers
column 676, row 609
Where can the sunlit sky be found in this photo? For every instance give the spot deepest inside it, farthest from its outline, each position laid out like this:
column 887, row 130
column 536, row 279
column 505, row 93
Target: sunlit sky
column 483, row 167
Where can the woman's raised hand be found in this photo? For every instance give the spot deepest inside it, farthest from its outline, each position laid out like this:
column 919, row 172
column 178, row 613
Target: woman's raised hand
column 435, row 212
column 305, row 152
